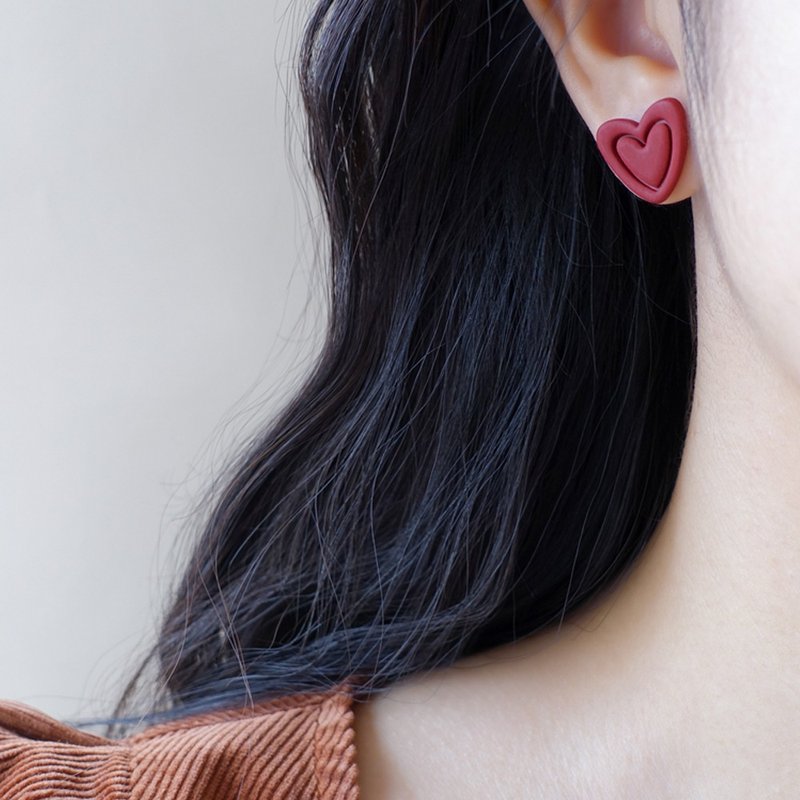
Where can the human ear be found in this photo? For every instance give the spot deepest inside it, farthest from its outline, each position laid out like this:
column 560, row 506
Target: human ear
column 616, row 58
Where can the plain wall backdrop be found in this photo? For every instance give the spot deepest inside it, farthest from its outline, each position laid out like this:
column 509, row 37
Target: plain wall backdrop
column 159, row 298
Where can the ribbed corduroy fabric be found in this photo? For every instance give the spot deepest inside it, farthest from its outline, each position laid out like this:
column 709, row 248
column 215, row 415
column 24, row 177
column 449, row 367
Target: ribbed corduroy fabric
column 296, row 747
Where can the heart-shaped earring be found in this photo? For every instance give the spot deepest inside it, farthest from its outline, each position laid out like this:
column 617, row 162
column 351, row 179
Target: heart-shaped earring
column 648, row 156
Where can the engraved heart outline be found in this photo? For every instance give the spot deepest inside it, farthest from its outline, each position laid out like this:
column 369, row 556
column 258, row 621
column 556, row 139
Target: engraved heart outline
column 670, row 150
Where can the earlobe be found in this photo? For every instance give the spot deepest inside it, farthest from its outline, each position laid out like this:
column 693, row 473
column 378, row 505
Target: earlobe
column 619, row 60
column 611, row 59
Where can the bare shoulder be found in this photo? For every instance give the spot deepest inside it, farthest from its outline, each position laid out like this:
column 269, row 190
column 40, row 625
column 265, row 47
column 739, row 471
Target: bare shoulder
column 535, row 719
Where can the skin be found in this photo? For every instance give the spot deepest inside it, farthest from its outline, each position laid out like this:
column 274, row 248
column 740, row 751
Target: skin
column 683, row 680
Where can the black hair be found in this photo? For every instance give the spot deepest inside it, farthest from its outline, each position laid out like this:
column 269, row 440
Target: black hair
column 493, row 426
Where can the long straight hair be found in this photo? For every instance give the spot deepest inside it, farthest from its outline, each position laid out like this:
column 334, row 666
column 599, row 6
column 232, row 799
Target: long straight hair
column 493, row 426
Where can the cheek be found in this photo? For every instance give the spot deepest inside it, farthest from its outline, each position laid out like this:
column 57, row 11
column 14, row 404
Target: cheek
column 753, row 152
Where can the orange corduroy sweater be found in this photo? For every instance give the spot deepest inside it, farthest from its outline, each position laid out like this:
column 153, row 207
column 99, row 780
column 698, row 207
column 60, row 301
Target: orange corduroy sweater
column 296, row 747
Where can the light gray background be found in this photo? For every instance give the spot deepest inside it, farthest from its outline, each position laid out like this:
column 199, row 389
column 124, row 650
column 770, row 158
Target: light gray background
column 159, row 298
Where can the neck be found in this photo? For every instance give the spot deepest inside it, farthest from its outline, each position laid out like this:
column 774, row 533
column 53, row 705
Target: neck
column 728, row 549
column 709, row 615
column 681, row 679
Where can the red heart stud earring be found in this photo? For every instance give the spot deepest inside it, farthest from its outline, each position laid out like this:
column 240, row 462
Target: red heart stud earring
column 648, row 156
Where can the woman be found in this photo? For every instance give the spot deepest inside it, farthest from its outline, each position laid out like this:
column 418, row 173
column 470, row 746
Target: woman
column 531, row 527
